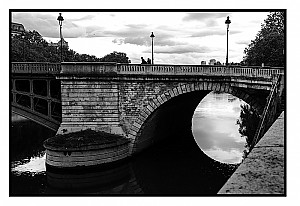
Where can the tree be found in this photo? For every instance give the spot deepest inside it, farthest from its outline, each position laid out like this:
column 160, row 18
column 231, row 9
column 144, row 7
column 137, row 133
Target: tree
column 268, row 45
column 248, row 122
column 31, row 47
column 118, row 57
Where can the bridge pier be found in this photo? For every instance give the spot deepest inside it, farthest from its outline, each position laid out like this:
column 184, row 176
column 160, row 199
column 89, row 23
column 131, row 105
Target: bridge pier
column 89, row 101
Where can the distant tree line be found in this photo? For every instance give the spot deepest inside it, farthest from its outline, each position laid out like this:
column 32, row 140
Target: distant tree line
column 32, row 47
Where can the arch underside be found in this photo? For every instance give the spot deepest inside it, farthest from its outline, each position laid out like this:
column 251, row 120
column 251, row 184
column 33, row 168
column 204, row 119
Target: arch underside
column 35, row 116
column 171, row 113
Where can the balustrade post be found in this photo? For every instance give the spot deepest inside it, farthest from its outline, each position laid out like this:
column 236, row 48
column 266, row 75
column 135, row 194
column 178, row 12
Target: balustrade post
column 49, row 108
column 14, row 90
column 31, row 95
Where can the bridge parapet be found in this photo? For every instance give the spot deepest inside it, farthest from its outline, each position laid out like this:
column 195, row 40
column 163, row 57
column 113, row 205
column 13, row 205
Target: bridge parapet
column 35, row 67
column 140, row 69
column 198, row 70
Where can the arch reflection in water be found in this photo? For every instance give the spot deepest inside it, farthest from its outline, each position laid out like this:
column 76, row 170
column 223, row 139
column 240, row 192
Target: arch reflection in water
column 117, row 179
column 175, row 166
column 215, row 129
column 168, row 168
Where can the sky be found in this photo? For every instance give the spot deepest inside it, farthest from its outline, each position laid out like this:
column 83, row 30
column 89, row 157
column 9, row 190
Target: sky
column 180, row 37
column 215, row 130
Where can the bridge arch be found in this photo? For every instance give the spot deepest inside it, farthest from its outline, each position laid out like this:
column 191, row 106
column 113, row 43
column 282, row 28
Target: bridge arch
column 136, row 130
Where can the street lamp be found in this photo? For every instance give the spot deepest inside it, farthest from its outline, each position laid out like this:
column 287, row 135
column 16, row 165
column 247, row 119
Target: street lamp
column 60, row 20
column 152, row 36
column 227, row 22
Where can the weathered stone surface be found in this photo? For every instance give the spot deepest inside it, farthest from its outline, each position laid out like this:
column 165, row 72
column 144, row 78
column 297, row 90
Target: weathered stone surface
column 121, row 98
column 262, row 172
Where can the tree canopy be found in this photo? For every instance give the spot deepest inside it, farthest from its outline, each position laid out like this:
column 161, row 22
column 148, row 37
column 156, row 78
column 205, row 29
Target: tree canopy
column 248, row 123
column 32, row 47
column 268, row 45
column 115, row 57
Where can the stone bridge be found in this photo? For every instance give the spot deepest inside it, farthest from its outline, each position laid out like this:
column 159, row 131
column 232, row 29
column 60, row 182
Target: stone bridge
column 144, row 103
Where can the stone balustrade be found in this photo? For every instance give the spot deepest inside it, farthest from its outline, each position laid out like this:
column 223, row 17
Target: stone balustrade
column 123, row 69
column 198, row 70
column 36, row 67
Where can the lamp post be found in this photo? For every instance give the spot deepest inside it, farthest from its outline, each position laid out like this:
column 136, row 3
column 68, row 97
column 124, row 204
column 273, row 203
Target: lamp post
column 152, row 36
column 60, row 20
column 227, row 22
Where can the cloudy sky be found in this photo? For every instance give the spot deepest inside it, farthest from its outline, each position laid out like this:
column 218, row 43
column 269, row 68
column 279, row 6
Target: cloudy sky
column 215, row 129
column 180, row 37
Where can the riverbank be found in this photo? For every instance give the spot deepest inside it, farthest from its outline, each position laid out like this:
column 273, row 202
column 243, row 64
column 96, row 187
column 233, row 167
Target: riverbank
column 263, row 171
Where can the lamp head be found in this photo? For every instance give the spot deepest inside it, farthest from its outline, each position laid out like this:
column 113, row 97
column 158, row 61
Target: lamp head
column 227, row 21
column 60, row 18
column 152, row 35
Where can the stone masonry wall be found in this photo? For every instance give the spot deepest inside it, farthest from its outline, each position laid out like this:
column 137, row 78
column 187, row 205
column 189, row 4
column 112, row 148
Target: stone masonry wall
column 134, row 96
column 89, row 104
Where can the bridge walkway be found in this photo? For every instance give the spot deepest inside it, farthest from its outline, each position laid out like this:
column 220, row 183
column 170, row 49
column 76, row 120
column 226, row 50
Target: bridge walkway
column 263, row 171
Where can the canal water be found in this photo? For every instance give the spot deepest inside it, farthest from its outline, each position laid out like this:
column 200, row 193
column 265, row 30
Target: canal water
column 170, row 168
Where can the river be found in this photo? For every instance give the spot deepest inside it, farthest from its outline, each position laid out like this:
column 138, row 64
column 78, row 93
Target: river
column 170, row 168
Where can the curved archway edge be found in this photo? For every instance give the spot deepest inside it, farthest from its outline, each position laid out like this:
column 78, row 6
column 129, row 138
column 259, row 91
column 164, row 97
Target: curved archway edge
column 137, row 126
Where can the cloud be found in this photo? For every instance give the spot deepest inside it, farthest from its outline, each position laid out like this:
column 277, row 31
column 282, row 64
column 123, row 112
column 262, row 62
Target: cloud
column 208, row 33
column 87, row 17
column 210, row 19
column 212, row 133
column 47, row 25
column 232, row 156
column 180, row 49
column 203, row 16
column 208, row 139
column 236, row 109
column 243, row 42
column 211, row 32
column 136, row 35
column 95, row 31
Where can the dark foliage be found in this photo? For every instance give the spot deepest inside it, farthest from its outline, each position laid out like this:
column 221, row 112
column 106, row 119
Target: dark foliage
column 268, row 45
column 248, row 123
column 115, row 57
column 31, row 47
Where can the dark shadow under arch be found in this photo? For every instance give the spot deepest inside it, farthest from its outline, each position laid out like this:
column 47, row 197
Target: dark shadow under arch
column 171, row 112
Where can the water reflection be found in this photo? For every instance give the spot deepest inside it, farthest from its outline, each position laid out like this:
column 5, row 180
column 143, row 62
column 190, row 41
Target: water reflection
column 27, row 157
column 173, row 167
column 215, row 129
column 34, row 165
column 177, row 168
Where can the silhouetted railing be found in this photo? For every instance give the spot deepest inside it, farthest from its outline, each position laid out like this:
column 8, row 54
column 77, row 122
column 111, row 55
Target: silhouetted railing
column 270, row 112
